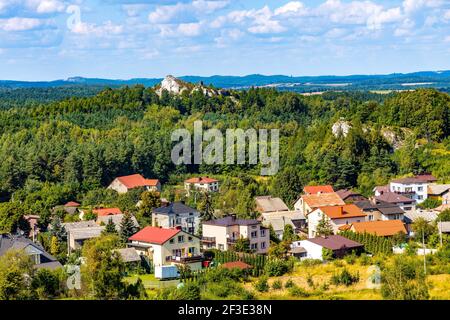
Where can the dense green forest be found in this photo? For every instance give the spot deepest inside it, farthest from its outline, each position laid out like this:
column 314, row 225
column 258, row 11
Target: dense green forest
column 60, row 150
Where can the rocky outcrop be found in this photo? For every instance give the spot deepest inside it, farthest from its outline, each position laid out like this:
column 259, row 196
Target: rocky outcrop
column 177, row 86
column 341, row 127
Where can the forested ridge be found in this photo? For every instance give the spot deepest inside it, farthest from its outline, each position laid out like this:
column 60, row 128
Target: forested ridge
column 70, row 149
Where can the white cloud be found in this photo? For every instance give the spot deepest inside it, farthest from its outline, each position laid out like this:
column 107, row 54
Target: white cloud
column 293, row 8
column 49, row 6
column 104, row 30
column 189, row 29
column 20, row 24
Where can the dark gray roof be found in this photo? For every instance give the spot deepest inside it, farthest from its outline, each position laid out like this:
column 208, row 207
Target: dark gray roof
column 10, row 242
column 231, row 221
column 380, row 205
column 391, row 210
column 175, row 208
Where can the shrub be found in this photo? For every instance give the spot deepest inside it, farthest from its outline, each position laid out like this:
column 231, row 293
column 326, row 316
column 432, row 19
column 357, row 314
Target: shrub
column 276, row 267
column 364, row 259
column 338, row 263
column 277, row 285
column 344, row 278
column 310, row 281
column 296, row 291
column 310, row 262
column 261, row 285
column 327, row 254
column 289, row 284
column 351, row 258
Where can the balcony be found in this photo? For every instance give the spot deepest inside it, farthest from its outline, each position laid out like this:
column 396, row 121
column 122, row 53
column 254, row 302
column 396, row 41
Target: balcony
column 209, row 240
column 185, row 259
column 232, row 241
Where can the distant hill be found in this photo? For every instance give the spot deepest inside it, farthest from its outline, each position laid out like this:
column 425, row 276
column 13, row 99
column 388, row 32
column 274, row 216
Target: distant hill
column 395, row 81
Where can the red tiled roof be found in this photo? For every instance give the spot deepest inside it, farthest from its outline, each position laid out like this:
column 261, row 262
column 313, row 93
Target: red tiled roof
column 236, row 264
column 380, row 228
column 106, row 211
column 345, row 211
column 154, row 235
column 136, row 180
column 72, row 204
column 317, row 189
column 201, row 180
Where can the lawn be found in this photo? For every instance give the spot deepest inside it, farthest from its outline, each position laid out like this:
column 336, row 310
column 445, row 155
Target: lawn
column 150, row 282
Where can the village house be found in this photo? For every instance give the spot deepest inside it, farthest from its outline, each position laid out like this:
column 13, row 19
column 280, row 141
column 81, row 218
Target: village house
column 168, row 246
column 223, row 233
column 41, row 259
column 279, row 219
column 270, row 204
column 70, row 207
column 412, row 216
column 309, row 202
column 415, row 188
column 202, row 184
column 79, row 232
column 125, row 183
column 349, row 196
column 440, row 192
column 384, row 228
column 394, row 198
column 380, row 210
column 177, row 214
column 318, row 189
column 338, row 216
column 313, row 248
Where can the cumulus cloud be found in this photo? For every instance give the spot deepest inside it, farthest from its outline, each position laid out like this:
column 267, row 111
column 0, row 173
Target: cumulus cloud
column 20, row 24
column 104, row 30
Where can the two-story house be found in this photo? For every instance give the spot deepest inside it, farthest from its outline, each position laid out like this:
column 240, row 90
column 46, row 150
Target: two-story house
column 168, row 246
column 223, row 233
column 380, row 210
column 415, row 187
column 205, row 184
column 177, row 214
column 125, row 183
column 338, row 216
column 309, row 202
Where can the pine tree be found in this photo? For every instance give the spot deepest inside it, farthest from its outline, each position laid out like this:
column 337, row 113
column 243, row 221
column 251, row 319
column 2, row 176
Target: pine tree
column 324, row 227
column 110, row 227
column 205, row 208
column 127, row 226
column 58, row 230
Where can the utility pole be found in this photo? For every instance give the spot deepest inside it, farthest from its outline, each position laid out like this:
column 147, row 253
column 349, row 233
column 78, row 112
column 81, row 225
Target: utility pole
column 424, row 255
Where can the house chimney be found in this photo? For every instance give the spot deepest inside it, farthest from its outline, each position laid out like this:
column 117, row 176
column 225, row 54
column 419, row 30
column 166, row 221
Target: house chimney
column 178, row 228
column 341, row 209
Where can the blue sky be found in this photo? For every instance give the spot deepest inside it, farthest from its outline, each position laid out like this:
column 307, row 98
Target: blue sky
column 55, row 39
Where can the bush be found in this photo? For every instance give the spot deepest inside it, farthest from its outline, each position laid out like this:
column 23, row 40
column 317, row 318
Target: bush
column 344, row 278
column 289, row 284
column 364, row 259
column 296, row 291
column 261, row 285
column 277, row 267
column 310, row 281
column 351, row 258
column 310, row 262
column 277, row 285
column 338, row 263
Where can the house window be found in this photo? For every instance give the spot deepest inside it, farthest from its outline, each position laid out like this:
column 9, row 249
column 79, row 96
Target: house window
column 420, row 189
column 419, row 197
column 263, row 245
column 180, row 239
column 254, row 246
column 176, row 252
column 254, row 234
column 190, row 239
column 172, row 241
column 191, row 250
column 221, row 247
column 263, row 232
column 253, row 227
column 191, row 213
column 370, row 217
column 407, row 208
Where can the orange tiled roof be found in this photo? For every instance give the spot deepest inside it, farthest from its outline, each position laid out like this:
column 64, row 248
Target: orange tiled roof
column 345, row 211
column 380, row 228
column 136, row 180
column 318, row 189
column 200, row 180
column 322, row 200
column 106, row 211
